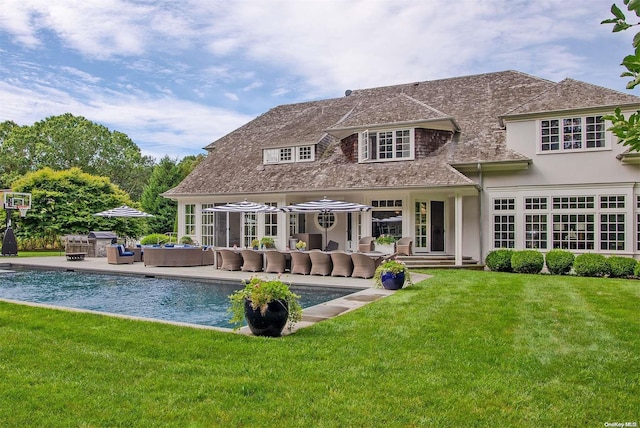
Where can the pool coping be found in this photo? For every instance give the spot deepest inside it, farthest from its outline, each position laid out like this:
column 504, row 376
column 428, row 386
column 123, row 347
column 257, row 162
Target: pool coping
column 366, row 293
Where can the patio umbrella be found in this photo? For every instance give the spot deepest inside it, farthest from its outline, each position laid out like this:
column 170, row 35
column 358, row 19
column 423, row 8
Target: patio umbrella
column 123, row 211
column 325, row 205
column 242, row 207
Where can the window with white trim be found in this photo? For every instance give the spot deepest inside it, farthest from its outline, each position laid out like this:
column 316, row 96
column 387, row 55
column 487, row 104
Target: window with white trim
column 504, row 224
column 612, row 232
column 574, row 231
column 386, row 145
column 250, row 226
column 535, row 226
column 208, row 230
column 572, row 134
column 190, row 219
column 271, row 221
column 288, row 154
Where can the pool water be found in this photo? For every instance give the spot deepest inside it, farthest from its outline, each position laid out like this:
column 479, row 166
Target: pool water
column 189, row 301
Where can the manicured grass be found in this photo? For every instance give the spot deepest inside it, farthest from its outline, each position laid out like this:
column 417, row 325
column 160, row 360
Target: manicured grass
column 461, row 349
column 40, row 253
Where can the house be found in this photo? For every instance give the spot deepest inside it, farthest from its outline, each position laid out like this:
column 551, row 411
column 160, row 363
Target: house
column 462, row 165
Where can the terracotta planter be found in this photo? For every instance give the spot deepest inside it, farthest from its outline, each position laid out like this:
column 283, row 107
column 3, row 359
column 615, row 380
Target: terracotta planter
column 271, row 323
column 392, row 281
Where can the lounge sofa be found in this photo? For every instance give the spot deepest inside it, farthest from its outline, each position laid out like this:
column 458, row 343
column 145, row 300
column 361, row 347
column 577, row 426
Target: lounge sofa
column 177, row 256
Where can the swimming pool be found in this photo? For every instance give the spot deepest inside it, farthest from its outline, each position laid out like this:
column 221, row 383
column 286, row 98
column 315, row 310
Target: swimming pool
column 189, row 301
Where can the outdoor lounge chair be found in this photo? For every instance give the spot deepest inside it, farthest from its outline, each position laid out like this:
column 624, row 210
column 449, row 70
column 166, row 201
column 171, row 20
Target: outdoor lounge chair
column 300, row 263
column 276, row 262
column 366, row 244
column 342, row 264
column 403, row 246
column 116, row 255
column 251, row 261
column 231, row 260
column 331, row 246
column 363, row 265
column 320, row 263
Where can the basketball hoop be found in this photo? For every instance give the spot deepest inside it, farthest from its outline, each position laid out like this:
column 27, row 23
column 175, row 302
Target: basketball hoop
column 23, row 210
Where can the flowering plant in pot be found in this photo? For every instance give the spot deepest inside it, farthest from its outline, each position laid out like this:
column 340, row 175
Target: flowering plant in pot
column 301, row 245
column 392, row 275
column 267, row 305
column 386, row 239
column 267, row 242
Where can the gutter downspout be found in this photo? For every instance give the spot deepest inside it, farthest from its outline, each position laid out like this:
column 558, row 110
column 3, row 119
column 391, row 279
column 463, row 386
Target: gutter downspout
column 480, row 234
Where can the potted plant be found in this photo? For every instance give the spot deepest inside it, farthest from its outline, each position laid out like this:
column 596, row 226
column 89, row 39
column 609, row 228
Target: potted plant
column 267, row 305
column 301, row 245
column 255, row 244
column 392, row 275
column 386, row 244
column 267, row 242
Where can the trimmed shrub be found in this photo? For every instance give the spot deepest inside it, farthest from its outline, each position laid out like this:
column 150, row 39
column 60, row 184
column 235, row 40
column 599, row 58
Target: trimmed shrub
column 154, row 238
column 559, row 262
column 499, row 260
column 591, row 265
column 636, row 271
column 186, row 240
column 621, row 267
column 527, row 261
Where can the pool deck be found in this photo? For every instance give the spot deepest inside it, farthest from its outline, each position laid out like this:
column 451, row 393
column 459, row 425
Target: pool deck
column 367, row 294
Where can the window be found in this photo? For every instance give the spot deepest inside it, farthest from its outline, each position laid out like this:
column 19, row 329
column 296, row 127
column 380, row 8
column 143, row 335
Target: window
column 535, row 203
column 271, row 221
column 208, row 226
column 387, row 217
column 508, row 204
column 573, row 202
column 610, row 202
column 189, row 219
column 504, row 231
column 386, row 145
column 326, row 220
column 612, row 232
column 574, row 231
column 535, row 226
column 288, row 154
column 572, row 134
column 250, row 226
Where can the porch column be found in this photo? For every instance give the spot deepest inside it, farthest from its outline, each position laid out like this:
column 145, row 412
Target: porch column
column 458, row 231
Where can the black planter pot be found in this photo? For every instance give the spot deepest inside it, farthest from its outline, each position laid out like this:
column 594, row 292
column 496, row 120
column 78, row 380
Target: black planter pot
column 271, row 323
column 392, row 281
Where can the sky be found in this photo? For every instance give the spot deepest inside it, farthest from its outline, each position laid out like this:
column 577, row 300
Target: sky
column 177, row 75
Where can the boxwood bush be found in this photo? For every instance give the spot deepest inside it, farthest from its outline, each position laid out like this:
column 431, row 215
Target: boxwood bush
column 636, row 271
column 559, row 262
column 499, row 260
column 591, row 265
column 621, row 267
column 155, row 238
column 527, row 261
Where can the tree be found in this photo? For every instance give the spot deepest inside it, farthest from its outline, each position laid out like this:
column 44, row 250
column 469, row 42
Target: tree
column 64, row 202
column 166, row 175
column 67, row 141
column 627, row 130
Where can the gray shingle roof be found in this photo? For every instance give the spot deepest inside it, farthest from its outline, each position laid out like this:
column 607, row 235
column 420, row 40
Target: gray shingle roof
column 476, row 104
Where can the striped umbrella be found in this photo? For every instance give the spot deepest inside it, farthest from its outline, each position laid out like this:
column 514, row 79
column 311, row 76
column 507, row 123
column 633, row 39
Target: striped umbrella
column 242, row 207
column 123, row 211
column 325, row 205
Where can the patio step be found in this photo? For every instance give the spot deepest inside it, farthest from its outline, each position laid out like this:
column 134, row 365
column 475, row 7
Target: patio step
column 438, row 261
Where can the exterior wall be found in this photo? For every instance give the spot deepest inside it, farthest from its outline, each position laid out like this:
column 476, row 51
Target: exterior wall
column 429, row 140
column 594, row 174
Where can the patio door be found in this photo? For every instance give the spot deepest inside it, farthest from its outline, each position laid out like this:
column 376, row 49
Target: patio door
column 429, row 226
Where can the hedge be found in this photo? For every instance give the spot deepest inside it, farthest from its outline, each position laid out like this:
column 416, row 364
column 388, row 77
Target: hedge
column 559, row 262
column 527, row 261
column 499, row 260
column 590, row 264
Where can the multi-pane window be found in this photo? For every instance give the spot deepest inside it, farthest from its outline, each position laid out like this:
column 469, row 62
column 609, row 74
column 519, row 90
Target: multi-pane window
column 250, row 228
column 573, row 202
column 208, row 226
column 288, row 154
column 535, row 226
column 506, row 204
column 297, row 223
column 271, row 221
column 504, row 231
column 574, row 231
column 537, row 203
column 305, row 153
column 612, row 201
column 612, row 232
column 190, row 219
column 386, row 145
column 572, row 133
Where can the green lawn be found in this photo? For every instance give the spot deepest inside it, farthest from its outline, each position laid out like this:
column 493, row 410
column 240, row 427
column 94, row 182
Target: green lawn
column 461, row 349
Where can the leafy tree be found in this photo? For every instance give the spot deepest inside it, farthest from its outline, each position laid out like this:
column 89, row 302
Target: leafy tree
column 166, row 175
column 627, row 130
column 64, row 202
column 68, row 141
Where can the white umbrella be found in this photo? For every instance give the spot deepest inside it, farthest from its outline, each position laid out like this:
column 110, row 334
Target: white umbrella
column 325, row 206
column 242, row 207
column 123, row 211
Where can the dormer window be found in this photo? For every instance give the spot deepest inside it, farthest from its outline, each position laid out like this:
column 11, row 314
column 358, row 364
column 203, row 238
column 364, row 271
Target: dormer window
column 288, row 154
column 386, row 145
